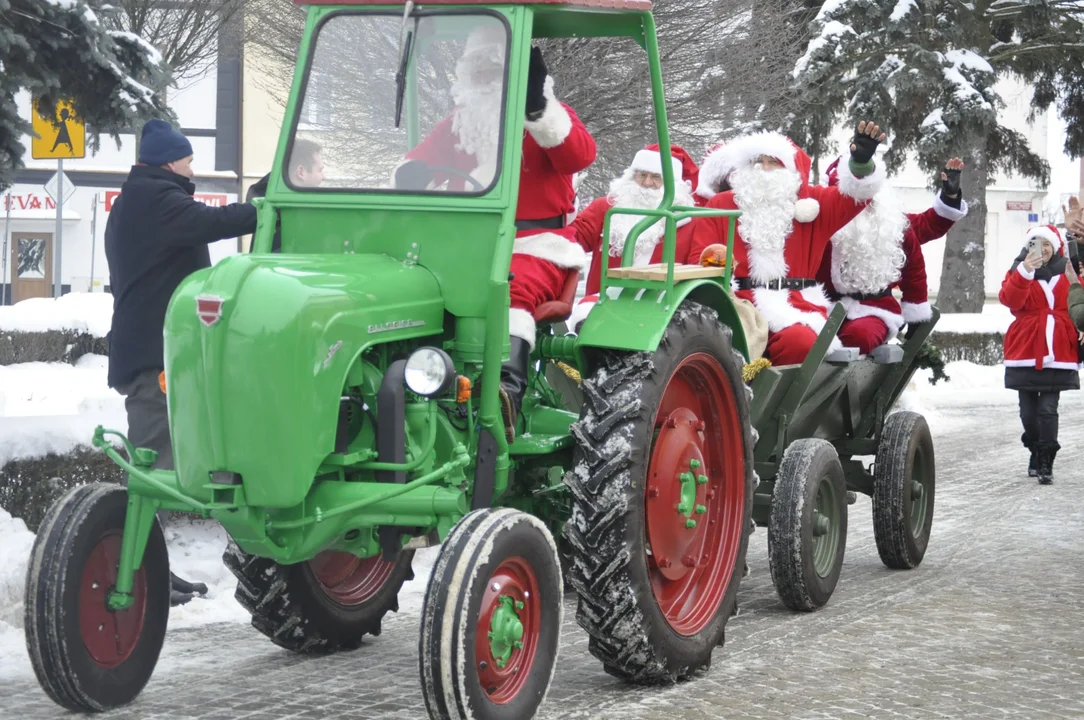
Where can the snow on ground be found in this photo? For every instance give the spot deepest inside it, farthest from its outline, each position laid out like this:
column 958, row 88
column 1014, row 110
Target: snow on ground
column 52, row 407
column 82, row 312
column 15, row 544
column 994, row 318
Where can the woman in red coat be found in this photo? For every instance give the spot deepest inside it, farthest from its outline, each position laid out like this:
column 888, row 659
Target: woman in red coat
column 1041, row 344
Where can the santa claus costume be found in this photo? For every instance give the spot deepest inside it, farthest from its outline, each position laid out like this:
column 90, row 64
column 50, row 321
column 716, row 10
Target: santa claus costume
column 625, row 192
column 556, row 146
column 1041, row 350
column 781, row 236
column 877, row 252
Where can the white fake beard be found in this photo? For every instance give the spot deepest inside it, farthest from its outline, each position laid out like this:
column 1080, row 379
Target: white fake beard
column 867, row 254
column 477, row 120
column 766, row 199
column 627, row 193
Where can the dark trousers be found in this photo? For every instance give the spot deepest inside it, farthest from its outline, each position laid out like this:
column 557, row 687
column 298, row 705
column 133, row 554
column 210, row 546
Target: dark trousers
column 148, row 417
column 1039, row 414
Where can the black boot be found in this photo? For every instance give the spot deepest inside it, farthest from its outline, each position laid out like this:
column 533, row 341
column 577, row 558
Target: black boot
column 514, row 384
column 1046, row 454
column 1033, row 462
column 181, row 591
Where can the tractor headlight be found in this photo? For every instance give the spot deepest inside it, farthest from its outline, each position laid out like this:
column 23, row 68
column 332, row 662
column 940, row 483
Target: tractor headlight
column 429, row 372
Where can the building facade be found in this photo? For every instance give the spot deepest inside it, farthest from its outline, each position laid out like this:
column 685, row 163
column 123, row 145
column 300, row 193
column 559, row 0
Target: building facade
column 208, row 109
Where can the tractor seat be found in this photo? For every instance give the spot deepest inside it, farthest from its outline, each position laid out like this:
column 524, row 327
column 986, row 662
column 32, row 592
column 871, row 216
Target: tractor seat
column 560, row 309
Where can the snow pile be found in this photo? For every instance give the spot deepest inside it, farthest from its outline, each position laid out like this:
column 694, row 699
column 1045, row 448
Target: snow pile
column 902, row 8
column 832, row 32
column 81, row 312
column 15, row 544
column 54, row 407
column 960, row 64
column 994, row 318
column 195, row 554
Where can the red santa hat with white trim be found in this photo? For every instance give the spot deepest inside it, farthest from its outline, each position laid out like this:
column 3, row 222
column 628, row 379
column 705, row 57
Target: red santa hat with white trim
column 650, row 160
column 743, row 152
column 1050, row 233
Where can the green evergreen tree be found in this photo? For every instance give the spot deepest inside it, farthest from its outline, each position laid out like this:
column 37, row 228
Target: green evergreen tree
column 61, row 49
column 926, row 71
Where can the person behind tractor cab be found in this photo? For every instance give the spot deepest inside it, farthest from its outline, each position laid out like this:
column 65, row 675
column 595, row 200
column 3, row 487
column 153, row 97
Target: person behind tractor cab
column 556, row 145
column 1041, row 344
column 785, row 226
column 881, row 250
column 306, row 169
column 639, row 186
column 156, row 236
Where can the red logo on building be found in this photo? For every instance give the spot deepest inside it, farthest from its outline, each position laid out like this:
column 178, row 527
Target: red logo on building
column 209, row 309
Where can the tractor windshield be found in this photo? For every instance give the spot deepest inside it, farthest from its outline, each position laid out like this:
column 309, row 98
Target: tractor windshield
column 445, row 70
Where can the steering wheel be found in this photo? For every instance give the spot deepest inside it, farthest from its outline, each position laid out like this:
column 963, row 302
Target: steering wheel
column 458, row 173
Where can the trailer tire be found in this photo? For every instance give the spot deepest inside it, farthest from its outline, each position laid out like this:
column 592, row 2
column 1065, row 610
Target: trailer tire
column 904, row 482
column 321, row 606
column 491, row 619
column 808, row 527
column 633, row 509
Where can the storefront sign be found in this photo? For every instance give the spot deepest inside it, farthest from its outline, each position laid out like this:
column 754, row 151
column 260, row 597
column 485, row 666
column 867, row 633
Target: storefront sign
column 1018, row 205
column 27, row 201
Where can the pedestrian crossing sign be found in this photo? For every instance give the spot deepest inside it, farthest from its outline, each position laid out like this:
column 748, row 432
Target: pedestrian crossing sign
column 61, row 135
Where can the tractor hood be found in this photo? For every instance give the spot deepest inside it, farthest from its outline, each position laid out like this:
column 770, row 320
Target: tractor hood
column 257, row 350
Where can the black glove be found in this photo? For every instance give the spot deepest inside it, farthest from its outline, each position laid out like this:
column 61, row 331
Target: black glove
column 951, row 184
column 864, row 148
column 413, row 175
column 536, row 83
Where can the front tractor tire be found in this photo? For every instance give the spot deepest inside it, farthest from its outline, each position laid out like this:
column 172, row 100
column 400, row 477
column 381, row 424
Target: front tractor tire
column 87, row 657
column 807, row 532
column 324, row 605
column 662, row 495
column 491, row 620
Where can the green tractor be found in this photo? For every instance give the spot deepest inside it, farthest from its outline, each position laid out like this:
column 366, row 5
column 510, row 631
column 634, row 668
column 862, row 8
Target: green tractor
column 336, row 407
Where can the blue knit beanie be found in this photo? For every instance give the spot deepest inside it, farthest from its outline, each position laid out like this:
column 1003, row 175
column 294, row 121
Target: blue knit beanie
column 161, row 144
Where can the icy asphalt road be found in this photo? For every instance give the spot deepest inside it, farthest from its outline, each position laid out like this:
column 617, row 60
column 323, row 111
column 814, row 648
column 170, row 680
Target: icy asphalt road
column 990, row 625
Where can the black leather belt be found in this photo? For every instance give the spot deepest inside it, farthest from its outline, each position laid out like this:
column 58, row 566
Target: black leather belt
column 869, row 296
column 745, row 283
column 552, row 223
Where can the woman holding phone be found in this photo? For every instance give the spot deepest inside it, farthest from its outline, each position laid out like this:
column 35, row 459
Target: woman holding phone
column 1041, row 345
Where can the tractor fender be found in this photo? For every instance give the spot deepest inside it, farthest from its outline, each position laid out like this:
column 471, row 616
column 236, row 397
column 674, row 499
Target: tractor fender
column 635, row 319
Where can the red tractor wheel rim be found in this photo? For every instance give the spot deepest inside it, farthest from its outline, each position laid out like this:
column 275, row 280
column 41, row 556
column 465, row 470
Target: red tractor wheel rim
column 694, row 497
column 109, row 636
column 501, row 677
column 348, row 579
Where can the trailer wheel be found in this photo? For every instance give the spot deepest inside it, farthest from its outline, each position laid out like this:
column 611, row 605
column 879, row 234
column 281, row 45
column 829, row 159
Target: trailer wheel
column 491, row 620
column 904, row 479
column 87, row 657
column 662, row 492
column 324, row 605
column 808, row 526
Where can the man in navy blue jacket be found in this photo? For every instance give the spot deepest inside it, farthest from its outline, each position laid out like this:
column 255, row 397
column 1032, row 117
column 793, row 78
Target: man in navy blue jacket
column 156, row 236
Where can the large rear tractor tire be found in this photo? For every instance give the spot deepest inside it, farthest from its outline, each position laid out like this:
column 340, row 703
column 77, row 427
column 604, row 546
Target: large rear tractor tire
column 808, row 527
column 491, row 621
column 904, row 480
column 87, row 657
column 662, row 495
column 324, row 605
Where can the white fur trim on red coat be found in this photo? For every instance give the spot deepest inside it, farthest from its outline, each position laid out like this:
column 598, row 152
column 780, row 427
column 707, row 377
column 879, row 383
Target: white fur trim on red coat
column 947, row 211
column 554, row 248
column 861, row 188
column 857, row 309
column 917, row 312
column 581, row 310
column 554, row 126
column 775, row 306
column 521, row 324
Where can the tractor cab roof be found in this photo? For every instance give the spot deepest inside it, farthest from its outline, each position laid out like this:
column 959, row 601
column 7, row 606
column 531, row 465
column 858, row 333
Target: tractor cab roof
column 629, row 5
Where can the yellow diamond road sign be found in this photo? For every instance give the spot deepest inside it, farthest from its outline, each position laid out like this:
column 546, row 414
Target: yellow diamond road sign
column 63, row 138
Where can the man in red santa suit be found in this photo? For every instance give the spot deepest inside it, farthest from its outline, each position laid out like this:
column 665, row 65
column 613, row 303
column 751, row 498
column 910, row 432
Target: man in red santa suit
column 640, row 186
column 785, row 226
column 881, row 250
column 556, row 145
